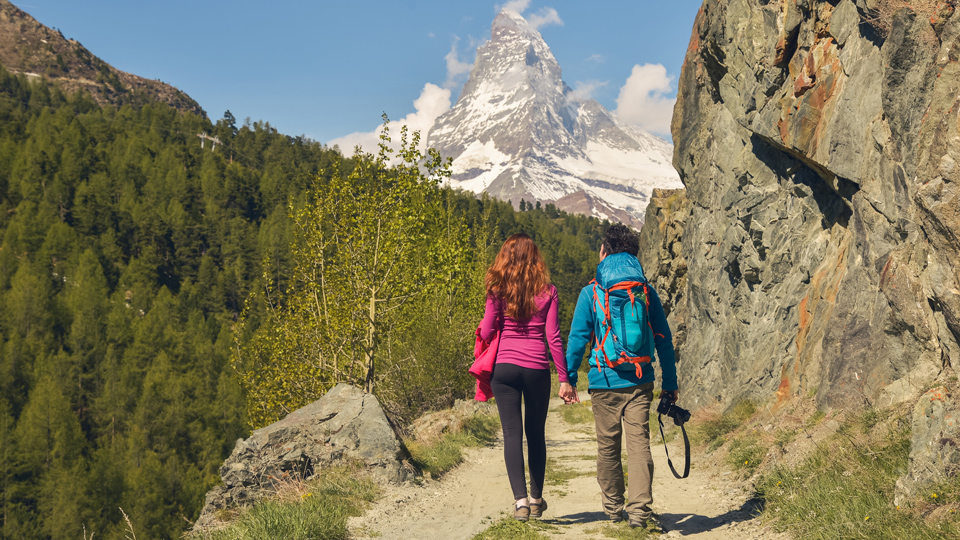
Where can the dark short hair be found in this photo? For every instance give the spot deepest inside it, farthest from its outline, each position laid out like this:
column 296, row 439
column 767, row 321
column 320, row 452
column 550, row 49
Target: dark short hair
column 620, row 239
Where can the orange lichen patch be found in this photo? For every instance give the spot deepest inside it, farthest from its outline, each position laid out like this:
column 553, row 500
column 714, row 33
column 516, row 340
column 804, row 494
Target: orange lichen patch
column 817, row 78
column 883, row 273
column 783, row 391
column 695, row 35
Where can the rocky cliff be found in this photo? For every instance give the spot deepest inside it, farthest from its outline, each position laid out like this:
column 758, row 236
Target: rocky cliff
column 820, row 249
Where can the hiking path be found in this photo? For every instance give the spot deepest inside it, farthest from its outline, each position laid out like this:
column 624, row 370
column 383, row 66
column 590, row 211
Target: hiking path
column 711, row 504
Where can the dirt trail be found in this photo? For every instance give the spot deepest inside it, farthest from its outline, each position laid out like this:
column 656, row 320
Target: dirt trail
column 707, row 505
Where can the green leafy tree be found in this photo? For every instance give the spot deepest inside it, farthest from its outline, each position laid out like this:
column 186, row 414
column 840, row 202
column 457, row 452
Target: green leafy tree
column 368, row 246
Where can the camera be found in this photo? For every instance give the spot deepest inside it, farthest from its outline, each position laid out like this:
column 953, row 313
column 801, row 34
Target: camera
column 669, row 408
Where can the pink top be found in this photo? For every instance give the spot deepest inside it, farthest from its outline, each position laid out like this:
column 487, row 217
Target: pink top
column 521, row 343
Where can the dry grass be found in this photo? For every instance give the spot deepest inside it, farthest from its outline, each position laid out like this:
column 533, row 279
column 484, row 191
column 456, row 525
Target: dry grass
column 882, row 18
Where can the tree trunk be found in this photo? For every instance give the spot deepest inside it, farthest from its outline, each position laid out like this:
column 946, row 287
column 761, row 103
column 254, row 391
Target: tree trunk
column 371, row 336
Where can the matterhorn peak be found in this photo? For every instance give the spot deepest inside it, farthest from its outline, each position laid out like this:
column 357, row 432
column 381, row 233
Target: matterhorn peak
column 509, row 23
column 519, row 132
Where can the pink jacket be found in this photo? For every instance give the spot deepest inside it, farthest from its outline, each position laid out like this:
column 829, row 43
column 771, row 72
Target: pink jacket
column 485, row 355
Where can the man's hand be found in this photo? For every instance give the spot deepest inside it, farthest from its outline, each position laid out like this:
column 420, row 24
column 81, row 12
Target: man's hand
column 673, row 394
column 568, row 393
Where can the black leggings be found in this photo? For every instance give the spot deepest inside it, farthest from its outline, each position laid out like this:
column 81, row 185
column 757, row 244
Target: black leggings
column 509, row 383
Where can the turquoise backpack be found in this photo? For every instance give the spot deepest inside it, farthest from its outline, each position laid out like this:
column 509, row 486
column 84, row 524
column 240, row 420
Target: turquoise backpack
column 623, row 337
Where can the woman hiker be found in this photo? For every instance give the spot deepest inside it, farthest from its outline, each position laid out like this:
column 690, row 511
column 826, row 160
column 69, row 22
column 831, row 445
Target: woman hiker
column 522, row 305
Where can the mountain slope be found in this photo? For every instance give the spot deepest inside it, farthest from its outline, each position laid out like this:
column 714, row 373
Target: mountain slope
column 519, row 132
column 28, row 47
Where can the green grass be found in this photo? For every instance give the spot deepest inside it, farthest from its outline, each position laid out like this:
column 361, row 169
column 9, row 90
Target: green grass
column 783, row 438
column 746, row 453
column 576, row 413
column 557, row 474
column 845, row 490
column 510, row 529
column 316, row 510
column 447, row 453
column 712, row 430
column 815, row 419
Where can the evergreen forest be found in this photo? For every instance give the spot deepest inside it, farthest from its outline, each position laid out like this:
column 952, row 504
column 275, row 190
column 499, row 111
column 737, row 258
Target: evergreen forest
column 145, row 279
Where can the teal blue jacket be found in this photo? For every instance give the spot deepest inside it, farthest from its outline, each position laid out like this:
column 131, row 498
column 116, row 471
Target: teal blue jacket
column 614, row 269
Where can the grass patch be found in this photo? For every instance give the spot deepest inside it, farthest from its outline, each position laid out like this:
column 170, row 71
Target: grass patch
column 315, row 510
column 814, row 419
column 711, row 430
column 510, row 529
column 557, row 474
column 577, row 413
column 445, row 454
column 846, row 489
column 783, row 438
column 746, row 453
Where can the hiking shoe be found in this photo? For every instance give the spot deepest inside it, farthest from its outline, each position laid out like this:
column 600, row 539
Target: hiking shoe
column 615, row 518
column 521, row 513
column 650, row 525
column 537, row 509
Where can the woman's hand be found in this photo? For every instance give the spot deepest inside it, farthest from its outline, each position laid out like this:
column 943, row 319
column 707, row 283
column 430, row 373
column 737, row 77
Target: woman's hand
column 568, row 393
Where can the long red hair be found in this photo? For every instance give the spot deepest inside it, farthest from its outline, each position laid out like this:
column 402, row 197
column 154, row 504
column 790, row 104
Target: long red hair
column 517, row 276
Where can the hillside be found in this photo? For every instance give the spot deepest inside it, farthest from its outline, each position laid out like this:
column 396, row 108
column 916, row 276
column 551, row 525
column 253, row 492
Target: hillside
column 28, row 47
column 127, row 254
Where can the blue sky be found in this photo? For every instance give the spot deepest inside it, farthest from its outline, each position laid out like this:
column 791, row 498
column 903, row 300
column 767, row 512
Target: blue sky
column 329, row 69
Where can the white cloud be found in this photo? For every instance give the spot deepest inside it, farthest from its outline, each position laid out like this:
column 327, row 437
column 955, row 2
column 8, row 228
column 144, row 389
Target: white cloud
column 598, row 58
column 544, row 17
column 455, row 68
column 433, row 102
column 584, row 90
column 645, row 100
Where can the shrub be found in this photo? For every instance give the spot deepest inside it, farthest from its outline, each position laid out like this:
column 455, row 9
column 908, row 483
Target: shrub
column 445, row 454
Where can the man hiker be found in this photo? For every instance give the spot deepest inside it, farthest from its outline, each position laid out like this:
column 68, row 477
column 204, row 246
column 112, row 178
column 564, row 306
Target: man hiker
column 620, row 315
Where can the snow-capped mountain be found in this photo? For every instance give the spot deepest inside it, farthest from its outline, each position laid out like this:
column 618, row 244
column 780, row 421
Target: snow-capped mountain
column 519, row 132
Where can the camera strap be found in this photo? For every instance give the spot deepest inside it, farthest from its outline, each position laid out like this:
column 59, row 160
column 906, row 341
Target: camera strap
column 686, row 449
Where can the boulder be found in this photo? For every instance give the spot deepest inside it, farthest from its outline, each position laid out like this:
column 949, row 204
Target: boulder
column 431, row 427
column 344, row 426
column 934, row 447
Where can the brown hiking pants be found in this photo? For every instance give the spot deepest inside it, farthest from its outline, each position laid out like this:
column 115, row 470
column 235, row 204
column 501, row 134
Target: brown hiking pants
column 631, row 406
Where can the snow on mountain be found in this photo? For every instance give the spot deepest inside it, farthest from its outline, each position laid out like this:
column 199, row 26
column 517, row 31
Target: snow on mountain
column 519, row 132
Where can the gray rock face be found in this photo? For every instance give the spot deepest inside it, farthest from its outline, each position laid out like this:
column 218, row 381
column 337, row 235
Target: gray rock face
column 661, row 254
column 821, row 250
column 344, row 425
column 935, row 444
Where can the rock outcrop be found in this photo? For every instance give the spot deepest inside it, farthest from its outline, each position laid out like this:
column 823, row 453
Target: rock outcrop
column 431, row 427
column 935, row 444
column 661, row 255
column 345, row 425
column 820, row 156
